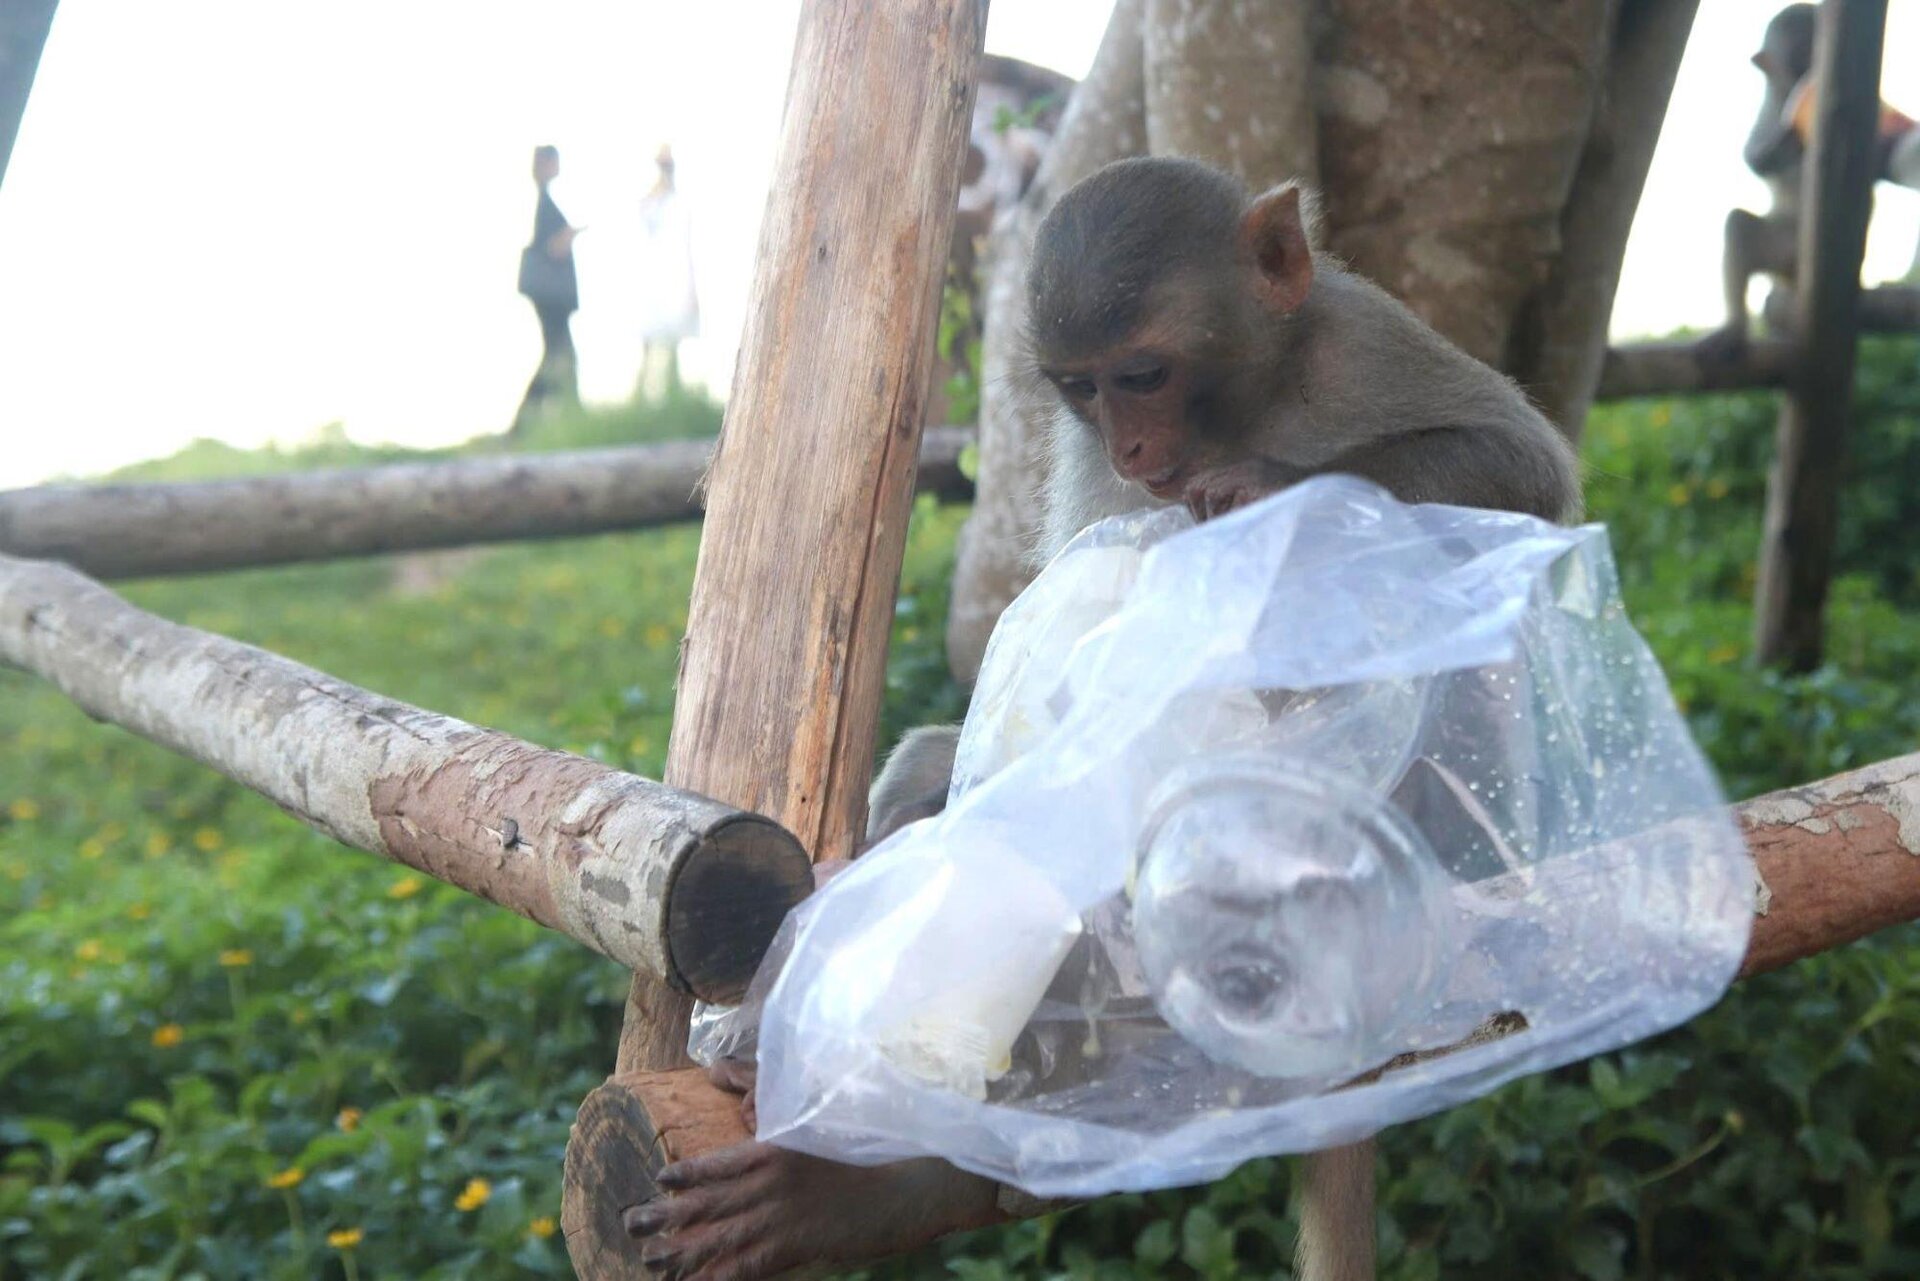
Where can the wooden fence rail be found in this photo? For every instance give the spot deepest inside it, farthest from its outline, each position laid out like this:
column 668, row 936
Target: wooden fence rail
column 670, row 884
column 137, row 530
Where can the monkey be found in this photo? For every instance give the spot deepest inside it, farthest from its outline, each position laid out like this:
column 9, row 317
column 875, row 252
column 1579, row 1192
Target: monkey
column 1776, row 149
column 1191, row 346
column 1767, row 243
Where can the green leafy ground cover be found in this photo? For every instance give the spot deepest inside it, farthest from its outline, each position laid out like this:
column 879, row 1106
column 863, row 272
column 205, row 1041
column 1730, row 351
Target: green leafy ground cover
column 229, row 1049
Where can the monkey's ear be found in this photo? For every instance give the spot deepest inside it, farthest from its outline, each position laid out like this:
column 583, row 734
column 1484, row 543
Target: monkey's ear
column 1275, row 230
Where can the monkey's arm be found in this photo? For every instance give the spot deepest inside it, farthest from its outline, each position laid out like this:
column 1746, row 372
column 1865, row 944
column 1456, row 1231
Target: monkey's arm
column 1773, row 146
column 1517, row 466
column 913, row 784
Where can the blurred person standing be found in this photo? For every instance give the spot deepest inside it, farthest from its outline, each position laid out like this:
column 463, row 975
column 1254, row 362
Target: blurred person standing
column 669, row 308
column 547, row 281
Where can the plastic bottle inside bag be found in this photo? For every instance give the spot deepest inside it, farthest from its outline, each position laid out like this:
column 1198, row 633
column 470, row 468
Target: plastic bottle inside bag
column 1289, row 921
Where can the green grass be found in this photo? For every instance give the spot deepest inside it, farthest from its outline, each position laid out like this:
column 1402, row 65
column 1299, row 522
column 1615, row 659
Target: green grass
column 680, row 413
column 198, row 998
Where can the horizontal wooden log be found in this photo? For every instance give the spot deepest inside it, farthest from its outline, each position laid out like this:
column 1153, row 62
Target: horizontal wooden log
column 131, row 531
column 1840, row 859
column 671, row 884
column 1677, row 368
column 1890, row 309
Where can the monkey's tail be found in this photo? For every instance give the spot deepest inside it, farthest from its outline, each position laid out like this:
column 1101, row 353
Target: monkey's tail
column 1336, row 1215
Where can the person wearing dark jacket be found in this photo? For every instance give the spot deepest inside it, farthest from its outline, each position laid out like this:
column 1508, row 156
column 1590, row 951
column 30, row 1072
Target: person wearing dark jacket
column 547, row 281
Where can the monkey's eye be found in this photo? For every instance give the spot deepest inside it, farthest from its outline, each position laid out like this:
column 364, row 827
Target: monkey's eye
column 1143, row 380
column 1078, row 388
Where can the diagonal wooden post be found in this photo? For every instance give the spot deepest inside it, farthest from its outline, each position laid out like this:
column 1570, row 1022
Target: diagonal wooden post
column 784, row 663
column 23, row 34
column 1803, row 493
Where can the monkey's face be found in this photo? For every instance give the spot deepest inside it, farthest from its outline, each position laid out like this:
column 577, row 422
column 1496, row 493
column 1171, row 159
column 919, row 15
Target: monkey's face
column 1141, row 399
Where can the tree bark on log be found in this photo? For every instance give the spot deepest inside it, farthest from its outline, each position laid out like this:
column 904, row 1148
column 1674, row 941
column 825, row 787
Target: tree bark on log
column 1840, row 859
column 1803, row 492
column 132, row 531
column 670, row 884
column 784, row 664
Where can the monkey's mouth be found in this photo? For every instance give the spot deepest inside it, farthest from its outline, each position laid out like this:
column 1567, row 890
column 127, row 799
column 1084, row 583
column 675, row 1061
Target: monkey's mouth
column 1169, row 486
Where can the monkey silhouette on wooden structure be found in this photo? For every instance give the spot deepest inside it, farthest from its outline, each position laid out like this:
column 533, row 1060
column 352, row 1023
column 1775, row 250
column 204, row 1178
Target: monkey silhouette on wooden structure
column 1197, row 350
column 1776, row 149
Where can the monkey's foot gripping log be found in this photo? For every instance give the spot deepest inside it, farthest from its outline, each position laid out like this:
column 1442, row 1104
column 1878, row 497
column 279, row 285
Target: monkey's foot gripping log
column 670, row 884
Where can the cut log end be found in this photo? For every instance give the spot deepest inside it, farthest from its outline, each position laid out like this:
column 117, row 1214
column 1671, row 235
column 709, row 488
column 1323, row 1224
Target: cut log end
column 626, row 1132
column 727, row 901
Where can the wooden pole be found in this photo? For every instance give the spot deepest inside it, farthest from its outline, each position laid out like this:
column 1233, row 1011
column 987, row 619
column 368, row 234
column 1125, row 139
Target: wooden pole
column 133, row 531
column 670, row 884
column 784, row 663
column 1803, row 491
column 24, row 25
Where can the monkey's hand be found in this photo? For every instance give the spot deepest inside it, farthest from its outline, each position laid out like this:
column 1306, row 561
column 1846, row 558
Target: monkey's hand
column 1224, row 489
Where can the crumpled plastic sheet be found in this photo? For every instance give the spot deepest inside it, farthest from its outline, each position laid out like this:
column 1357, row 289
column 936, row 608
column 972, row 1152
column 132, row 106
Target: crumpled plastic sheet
column 1243, row 812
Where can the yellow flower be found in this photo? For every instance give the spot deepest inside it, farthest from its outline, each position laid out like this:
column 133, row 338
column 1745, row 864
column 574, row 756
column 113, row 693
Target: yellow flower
column 24, row 810
column 658, row 636
column 287, row 1178
column 349, row 1119
column 345, row 1238
column 236, row 958
column 139, row 912
column 168, row 1035
column 157, row 844
column 473, row 1196
column 405, row 887
column 1717, row 488
column 640, row 745
column 1678, row 495
column 92, row 848
column 1660, row 416
column 1723, row 653
column 541, row 1227
column 207, row 840
column 88, row 951
column 609, row 627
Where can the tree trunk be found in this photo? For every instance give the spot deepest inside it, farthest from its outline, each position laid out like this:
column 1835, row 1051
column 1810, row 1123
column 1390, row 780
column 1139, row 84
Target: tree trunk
column 1559, row 344
column 1105, row 121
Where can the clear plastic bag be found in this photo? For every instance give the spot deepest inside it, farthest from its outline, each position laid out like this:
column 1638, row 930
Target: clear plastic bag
column 1244, row 814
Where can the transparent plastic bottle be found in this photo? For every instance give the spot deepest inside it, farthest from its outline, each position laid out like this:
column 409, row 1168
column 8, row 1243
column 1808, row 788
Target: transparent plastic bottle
column 1289, row 921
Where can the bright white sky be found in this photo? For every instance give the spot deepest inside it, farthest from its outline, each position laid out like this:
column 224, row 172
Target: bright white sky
column 244, row 220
